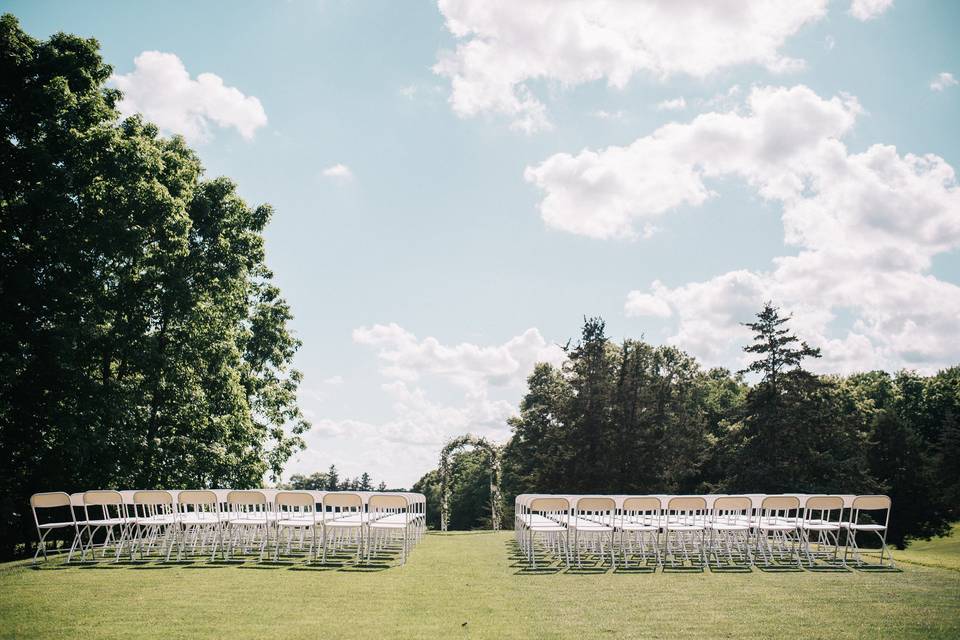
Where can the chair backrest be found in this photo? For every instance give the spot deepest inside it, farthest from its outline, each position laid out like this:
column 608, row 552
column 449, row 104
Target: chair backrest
column 387, row 502
column 780, row 503
column 343, row 500
column 244, row 498
column 50, row 500
column 824, row 503
column 299, row 499
column 871, row 503
column 153, row 497
column 102, row 498
column 551, row 505
column 732, row 503
column 641, row 503
column 687, row 503
column 197, row 497
column 596, row 504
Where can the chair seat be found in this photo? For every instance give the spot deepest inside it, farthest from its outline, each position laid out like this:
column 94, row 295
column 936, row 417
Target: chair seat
column 248, row 522
column 727, row 526
column 547, row 528
column 636, row 526
column 381, row 524
column 154, row 521
column 191, row 519
column 109, row 522
column 776, row 526
column 671, row 526
column 296, row 522
column 56, row 525
column 344, row 524
column 867, row 527
column 821, row 526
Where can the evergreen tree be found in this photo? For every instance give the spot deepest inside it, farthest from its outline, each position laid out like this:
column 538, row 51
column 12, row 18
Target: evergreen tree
column 797, row 432
column 333, row 479
column 364, row 483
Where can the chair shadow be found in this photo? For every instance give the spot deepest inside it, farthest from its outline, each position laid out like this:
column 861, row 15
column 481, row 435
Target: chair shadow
column 636, row 570
column 877, row 569
column 731, row 568
column 538, row 571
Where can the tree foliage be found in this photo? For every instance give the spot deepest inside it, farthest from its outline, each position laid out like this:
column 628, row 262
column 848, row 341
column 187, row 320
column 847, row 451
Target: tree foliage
column 142, row 342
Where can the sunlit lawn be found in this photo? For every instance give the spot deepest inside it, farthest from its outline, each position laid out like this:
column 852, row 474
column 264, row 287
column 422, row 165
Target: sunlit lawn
column 472, row 586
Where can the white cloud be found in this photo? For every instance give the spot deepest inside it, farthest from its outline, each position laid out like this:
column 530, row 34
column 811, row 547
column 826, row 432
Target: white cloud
column 338, row 172
column 601, row 114
column 602, row 194
column 676, row 104
column 868, row 9
column 409, row 91
column 333, row 380
column 472, row 367
column 942, row 81
column 505, row 47
column 488, row 381
column 866, row 225
column 160, row 88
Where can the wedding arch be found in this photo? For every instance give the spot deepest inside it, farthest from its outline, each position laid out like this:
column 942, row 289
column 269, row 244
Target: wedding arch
column 493, row 452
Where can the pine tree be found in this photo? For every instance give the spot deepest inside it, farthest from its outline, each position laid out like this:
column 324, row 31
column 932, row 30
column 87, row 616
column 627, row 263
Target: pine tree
column 775, row 343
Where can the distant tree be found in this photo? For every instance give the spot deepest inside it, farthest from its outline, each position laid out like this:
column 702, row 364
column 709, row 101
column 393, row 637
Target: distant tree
column 333, row 479
column 797, row 432
column 779, row 349
column 364, row 483
column 315, row 481
column 382, row 486
column 142, row 341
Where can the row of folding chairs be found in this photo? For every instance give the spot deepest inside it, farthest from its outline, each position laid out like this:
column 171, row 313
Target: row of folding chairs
column 711, row 530
column 204, row 523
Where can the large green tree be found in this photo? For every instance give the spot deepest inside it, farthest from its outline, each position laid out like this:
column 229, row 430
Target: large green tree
column 142, row 342
column 796, row 432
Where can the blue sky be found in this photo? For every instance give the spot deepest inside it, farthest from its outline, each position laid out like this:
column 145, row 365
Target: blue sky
column 489, row 202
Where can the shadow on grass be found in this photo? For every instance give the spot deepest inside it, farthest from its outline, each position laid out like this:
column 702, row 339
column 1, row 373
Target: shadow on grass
column 637, row 569
column 539, row 571
column 731, row 568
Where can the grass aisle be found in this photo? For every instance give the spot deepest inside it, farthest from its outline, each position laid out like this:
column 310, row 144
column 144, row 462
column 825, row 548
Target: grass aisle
column 467, row 585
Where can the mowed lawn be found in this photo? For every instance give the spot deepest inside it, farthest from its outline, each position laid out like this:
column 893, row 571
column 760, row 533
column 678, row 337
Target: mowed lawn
column 471, row 585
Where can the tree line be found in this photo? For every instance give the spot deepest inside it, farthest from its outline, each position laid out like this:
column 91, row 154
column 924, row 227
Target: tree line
column 330, row 480
column 637, row 418
column 142, row 340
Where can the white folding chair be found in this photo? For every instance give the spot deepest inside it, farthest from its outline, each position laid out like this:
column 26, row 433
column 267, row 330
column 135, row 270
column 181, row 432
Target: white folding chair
column 152, row 522
column 52, row 500
column 344, row 517
column 248, row 522
column 389, row 515
column 777, row 531
column 593, row 525
column 872, row 505
column 296, row 514
column 109, row 514
column 821, row 525
column 685, row 525
column 546, row 518
column 639, row 524
column 729, row 527
column 199, row 523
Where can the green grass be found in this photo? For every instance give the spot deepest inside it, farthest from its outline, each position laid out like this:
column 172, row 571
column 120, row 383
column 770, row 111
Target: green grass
column 939, row 552
column 468, row 586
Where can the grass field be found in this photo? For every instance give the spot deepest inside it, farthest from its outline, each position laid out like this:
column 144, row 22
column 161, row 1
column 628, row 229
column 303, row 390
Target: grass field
column 471, row 585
